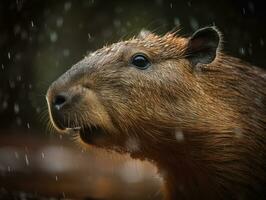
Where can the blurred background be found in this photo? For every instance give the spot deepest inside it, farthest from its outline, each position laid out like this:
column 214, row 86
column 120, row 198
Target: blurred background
column 39, row 40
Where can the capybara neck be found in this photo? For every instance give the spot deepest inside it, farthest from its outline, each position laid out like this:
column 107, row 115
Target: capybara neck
column 198, row 114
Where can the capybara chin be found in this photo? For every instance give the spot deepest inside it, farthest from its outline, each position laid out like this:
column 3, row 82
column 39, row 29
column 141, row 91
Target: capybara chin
column 199, row 115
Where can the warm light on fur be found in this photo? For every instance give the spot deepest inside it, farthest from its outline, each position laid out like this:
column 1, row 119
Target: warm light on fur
column 196, row 113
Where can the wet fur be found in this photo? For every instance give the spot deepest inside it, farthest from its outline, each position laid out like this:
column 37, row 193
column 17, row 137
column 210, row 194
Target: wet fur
column 220, row 108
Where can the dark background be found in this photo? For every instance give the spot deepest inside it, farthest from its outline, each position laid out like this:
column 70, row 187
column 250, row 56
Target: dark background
column 39, row 40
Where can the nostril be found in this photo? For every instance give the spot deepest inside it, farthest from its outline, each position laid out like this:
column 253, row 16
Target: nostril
column 59, row 101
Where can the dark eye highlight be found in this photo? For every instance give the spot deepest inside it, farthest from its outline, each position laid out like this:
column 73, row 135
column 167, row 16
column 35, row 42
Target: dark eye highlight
column 140, row 61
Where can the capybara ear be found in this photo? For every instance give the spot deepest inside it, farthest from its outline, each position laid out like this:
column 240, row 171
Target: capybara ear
column 203, row 45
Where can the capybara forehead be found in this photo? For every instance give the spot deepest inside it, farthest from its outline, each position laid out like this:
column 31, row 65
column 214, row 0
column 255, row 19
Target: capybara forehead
column 161, row 47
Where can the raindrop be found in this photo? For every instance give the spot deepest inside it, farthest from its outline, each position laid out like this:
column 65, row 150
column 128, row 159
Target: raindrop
column 244, row 11
column 17, row 29
column 66, row 52
column 19, row 78
column 32, row 24
column 18, row 56
column 18, row 121
column 56, row 178
column 27, row 160
column 67, row 6
column 179, row 135
column 177, row 22
column 251, row 6
column 24, row 35
column 59, row 22
column 159, row 2
column 23, row 196
column 117, row 23
column 16, row 155
column 53, row 36
column 128, row 23
column 8, row 168
column 250, row 51
column 9, row 55
column 38, row 110
column 89, row 36
column 5, row 105
column 242, row 51
column 3, row 67
column 28, row 125
column 171, row 5
column 16, row 108
column 12, row 84
column 193, row 23
column 42, row 155
column 261, row 42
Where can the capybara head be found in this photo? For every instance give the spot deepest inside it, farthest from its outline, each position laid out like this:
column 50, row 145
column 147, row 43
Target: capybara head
column 133, row 90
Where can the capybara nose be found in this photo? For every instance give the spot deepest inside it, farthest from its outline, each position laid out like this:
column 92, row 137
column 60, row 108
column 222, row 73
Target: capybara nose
column 60, row 100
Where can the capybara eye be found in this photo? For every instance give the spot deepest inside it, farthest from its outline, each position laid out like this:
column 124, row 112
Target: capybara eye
column 140, row 61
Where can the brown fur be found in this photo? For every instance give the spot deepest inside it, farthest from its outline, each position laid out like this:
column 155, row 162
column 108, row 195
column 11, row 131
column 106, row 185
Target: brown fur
column 204, row 126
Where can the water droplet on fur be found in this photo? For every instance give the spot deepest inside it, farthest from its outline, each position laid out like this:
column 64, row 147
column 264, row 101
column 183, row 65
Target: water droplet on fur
column 132, row 145
column 179, row 135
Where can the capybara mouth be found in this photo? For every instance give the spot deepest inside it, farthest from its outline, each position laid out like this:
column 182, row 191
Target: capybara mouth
column 91, row 134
